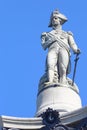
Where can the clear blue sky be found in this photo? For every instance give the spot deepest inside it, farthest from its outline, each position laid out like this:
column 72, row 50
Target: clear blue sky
column 22, row 59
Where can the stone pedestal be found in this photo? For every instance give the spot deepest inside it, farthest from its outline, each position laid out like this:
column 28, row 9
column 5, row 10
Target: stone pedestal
column 61, row 98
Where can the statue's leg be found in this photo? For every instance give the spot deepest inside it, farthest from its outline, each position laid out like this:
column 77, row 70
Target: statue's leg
column 63, row 64
column 51, row 63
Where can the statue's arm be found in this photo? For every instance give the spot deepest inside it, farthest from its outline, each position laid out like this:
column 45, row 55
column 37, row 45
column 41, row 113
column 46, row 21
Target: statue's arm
column 43, row 40
column 47, row 40
column 72, row 43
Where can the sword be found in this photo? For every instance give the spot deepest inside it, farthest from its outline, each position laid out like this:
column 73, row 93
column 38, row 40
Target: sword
column 76, row 60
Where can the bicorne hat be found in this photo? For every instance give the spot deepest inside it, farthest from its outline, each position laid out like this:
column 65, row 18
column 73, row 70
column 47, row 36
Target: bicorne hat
column 61, row 16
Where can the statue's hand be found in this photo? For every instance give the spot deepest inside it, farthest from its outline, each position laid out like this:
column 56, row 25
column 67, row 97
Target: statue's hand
column 77, row 51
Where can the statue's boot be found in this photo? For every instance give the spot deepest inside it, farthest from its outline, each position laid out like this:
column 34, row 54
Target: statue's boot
column 50, row 75
column 63, row 79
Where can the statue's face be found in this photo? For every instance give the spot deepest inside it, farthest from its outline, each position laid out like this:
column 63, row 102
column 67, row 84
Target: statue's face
column 56, row 21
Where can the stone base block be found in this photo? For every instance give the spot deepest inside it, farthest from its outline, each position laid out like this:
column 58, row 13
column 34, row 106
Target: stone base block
column 62, row 99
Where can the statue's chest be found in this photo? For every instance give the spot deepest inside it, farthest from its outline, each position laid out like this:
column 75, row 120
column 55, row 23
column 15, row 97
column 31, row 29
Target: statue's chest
column 60, row 35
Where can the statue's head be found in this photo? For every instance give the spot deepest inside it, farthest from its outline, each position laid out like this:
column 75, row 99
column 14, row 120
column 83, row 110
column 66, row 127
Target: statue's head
column 57, row 14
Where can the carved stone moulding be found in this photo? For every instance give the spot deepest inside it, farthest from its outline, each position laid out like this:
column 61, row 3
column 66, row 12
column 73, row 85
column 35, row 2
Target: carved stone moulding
column 74, row 119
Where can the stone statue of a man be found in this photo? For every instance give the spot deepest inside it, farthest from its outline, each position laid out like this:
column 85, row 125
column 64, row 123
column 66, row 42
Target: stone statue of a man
column 58, row 43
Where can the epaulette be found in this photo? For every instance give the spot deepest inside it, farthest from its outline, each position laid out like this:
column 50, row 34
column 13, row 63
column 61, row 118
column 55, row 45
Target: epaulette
column 70, row 33
column 43, row 34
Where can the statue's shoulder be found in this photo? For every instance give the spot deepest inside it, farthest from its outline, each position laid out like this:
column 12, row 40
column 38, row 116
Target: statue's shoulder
column 44, row 34
column 67, row 33
column 70, row 33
